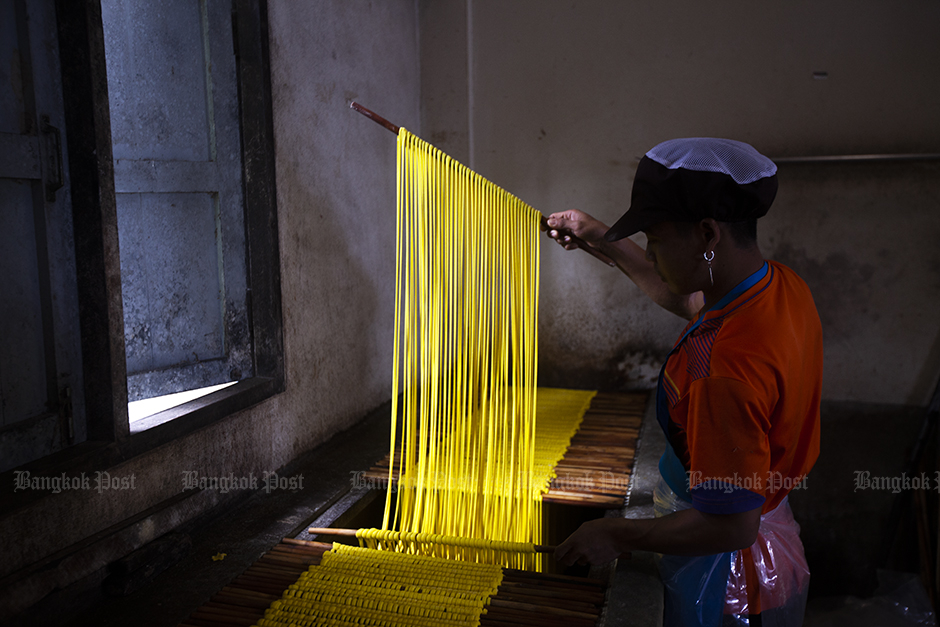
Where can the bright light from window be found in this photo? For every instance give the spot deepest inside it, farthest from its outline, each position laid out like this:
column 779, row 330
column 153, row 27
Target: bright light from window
column 149, row 406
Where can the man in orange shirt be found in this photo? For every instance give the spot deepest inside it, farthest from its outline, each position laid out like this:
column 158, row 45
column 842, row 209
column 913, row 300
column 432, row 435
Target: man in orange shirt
column 738, row 396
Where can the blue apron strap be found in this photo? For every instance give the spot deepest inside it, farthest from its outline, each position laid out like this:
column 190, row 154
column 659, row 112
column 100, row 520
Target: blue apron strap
column 669, row 465
column 671, row 469
column 674, row 474
column 695, row 586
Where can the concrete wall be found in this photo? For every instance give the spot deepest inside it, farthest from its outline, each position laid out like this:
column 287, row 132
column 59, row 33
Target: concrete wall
column 336, row 203
column 557, row 101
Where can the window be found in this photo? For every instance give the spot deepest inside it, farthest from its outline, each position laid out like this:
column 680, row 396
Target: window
column 197, row 192
column 175, row 140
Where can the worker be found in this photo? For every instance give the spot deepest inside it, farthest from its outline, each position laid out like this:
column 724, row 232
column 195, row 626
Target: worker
column 738, row 395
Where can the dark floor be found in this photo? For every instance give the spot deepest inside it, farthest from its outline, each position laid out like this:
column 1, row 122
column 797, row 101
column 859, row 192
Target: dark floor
column 250, row 528
column 243, row 533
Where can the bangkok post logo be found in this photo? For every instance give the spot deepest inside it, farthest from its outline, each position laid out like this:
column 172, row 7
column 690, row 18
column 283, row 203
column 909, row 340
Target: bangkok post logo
column 268, row 481
column 103, row 482
column 865, row 481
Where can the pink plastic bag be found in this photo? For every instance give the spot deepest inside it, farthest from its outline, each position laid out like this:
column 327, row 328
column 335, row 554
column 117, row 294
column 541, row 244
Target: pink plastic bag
column 781, row 570
column 779, row 566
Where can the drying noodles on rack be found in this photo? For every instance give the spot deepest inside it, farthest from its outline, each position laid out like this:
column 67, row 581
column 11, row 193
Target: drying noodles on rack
column 465, row 357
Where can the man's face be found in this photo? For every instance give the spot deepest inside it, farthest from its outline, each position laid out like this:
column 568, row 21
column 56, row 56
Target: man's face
column 675, row 251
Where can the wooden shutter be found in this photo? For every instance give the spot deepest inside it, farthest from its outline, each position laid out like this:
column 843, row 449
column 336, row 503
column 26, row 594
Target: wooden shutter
column 40, row 347
column 175, row 135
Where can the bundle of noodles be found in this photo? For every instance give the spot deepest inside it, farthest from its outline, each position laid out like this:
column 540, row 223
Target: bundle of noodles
column 466, row 312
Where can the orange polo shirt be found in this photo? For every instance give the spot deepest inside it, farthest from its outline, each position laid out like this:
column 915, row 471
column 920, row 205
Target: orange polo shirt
column 743, row 392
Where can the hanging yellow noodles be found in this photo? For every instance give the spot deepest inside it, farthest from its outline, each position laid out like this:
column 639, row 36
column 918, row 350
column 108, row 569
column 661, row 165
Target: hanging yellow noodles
column 465, row 351
column 472, row 470
column 466, row 311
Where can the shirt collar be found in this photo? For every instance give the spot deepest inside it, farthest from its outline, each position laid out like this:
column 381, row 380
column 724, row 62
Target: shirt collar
column 722, row 306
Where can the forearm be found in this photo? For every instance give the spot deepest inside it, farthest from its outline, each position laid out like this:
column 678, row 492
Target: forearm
column 631, row 259
column 688, row 532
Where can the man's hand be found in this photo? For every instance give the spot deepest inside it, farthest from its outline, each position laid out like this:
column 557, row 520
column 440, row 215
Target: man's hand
column 595, row 542
column 564, row 224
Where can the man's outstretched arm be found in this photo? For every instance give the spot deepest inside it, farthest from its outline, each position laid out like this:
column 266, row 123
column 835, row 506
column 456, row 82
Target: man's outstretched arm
column 629, row 257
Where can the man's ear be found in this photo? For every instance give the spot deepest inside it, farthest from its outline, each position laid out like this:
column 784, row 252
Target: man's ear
column 710, row 232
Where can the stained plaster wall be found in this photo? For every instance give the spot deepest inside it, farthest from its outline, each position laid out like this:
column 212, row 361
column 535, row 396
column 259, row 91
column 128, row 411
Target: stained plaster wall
column 335, row 195
column 557, row 101
column 336, row 202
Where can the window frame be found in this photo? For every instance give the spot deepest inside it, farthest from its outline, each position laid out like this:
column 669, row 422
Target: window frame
column 85, row 92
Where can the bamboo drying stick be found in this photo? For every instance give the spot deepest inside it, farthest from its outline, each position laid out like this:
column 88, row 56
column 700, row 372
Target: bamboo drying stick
column 351, row 533
column 378, row 119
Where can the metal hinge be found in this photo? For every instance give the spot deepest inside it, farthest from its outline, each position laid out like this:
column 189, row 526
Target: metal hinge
column 52, row 170
column 66, row 420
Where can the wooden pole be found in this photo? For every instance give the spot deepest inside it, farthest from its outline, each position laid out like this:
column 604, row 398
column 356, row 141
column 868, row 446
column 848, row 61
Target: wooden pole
column 351, row 533
column 375, row 117
column 378, row 119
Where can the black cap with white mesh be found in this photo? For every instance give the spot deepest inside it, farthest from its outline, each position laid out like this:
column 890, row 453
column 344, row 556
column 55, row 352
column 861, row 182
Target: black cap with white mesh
column 686, row 180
